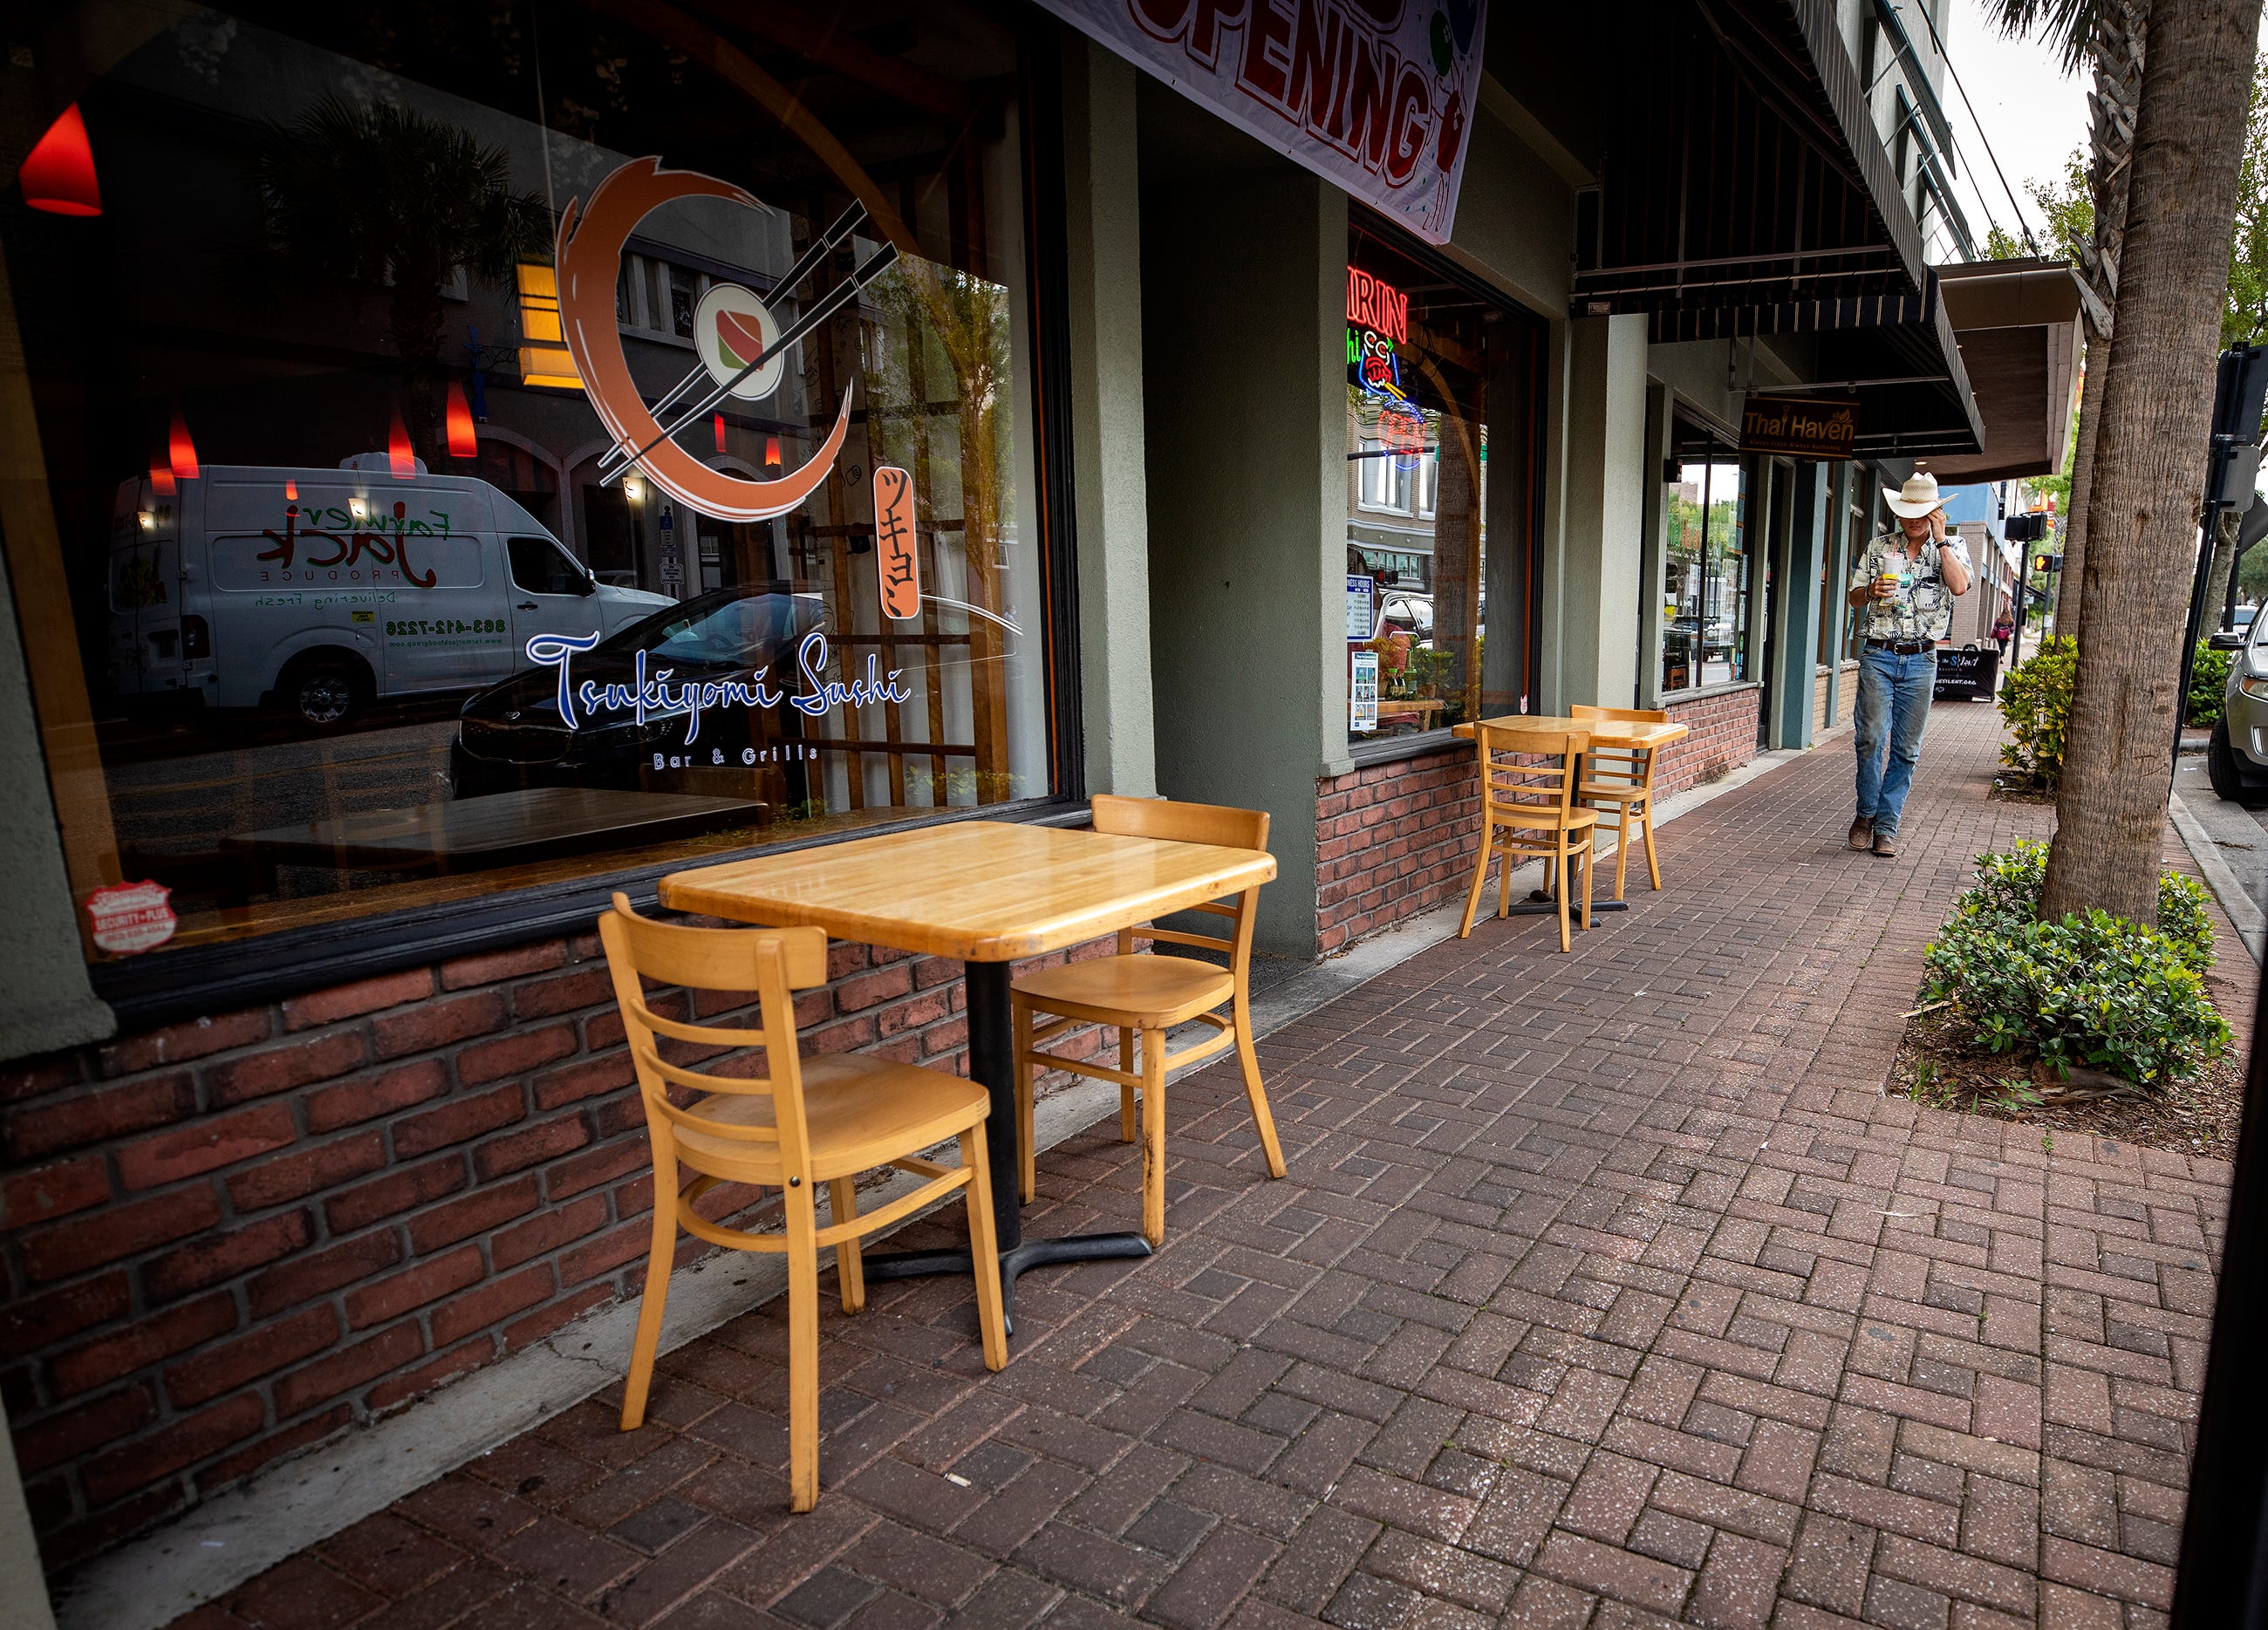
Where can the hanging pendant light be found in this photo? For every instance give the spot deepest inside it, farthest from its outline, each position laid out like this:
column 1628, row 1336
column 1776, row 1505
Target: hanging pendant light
column 400, row 460
column 719, row 420
column 464, row 441
column 161, row 479
column 180, row 451
column 771, row 452
column 58, row 177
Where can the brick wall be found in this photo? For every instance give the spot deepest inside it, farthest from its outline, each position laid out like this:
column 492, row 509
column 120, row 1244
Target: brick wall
column 1724, row 726
column 233, row 1237
column 1394, row 841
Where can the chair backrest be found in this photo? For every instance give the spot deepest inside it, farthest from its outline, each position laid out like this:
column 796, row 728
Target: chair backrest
column 1617, row 767
column 771, row 963
column 1218, row 824
column 1527, row 771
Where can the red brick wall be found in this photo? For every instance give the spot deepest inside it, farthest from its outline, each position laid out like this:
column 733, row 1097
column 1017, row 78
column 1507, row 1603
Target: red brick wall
column 1393, row 840
column 1724, row 737
column 232, row 1237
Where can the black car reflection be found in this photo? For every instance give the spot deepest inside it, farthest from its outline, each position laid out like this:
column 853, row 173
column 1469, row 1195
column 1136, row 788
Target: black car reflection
column 716, row 669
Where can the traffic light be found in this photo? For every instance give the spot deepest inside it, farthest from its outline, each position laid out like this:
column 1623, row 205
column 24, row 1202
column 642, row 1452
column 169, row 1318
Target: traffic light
column 2026, row 528
column 2047, row 562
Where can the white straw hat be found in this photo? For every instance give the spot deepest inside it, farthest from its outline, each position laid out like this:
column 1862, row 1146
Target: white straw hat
column 1916, row 498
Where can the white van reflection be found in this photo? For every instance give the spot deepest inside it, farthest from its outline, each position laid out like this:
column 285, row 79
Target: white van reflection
column 325, row 591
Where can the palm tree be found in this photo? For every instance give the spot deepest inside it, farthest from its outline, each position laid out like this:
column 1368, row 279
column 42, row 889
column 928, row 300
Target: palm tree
column 2113, row 42
column 2153, row 419
column 381, row 193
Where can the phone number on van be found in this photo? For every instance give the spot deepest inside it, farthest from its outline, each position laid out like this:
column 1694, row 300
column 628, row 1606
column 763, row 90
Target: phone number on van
column 446, row 624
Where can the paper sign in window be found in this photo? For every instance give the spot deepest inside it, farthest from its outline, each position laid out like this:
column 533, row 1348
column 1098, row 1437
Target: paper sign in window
column 897, row 562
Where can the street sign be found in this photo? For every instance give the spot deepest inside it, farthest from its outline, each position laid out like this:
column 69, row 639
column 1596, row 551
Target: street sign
column 1809, row 428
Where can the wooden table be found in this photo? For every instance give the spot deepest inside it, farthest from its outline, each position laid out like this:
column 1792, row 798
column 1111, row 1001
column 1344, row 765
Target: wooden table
column 986, row 893
column 1617, row 733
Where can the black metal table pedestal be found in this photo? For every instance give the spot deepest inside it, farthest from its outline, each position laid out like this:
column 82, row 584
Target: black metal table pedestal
column 992, row 1060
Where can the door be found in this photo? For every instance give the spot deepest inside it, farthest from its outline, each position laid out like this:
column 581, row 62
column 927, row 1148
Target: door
column 551, row 593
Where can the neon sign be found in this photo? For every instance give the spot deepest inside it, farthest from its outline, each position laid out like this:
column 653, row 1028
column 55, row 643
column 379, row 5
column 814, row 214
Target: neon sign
column 1371, row 304
column 652, row 696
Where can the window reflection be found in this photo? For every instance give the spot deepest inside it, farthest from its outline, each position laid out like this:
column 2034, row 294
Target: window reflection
column 1705, row 638
column 330, row 494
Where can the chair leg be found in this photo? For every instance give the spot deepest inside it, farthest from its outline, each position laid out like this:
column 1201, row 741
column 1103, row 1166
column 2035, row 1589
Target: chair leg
column 653, row 1302
column 802, row 1351
column 1126, row 1129
column 1559, row 889
column 1590, row 865
column 849, row 1269
column 1027, row 1160
column 1480, row 881
column 1248, row 1060
column 1504, row 866
column 984, row 1248
column 1622, row 848
column 1153, row 1137
column 1646, row 828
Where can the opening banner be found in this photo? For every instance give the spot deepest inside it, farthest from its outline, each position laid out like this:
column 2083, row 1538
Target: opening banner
column 1373, row 95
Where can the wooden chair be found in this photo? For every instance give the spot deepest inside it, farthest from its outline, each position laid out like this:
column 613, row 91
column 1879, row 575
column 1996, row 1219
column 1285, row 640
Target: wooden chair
column 1621, row 779
column 1527, row 796
column 1145, row 996
column 821, row 1121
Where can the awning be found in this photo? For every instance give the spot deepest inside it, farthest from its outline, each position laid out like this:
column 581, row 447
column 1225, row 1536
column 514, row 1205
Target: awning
column 2017, row 322
column 1896, row 354
column 1741, row 169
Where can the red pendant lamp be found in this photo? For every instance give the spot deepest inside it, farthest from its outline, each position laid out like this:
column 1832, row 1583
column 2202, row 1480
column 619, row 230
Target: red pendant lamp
column 180, row 451
column 400, row 460
column 58, row 177
column 720, row 421
column 771, row 452
column 161, row 479
column 464, row 441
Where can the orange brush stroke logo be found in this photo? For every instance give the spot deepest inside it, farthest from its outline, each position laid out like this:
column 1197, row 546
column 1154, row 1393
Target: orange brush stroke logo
column 592, row 237
column 896, row 560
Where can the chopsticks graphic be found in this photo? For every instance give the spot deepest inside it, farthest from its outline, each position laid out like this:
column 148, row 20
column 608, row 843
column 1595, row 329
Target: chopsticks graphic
column 615, row 463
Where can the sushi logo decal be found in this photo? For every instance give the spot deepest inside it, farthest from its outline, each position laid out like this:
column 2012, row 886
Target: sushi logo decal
column 734, row 329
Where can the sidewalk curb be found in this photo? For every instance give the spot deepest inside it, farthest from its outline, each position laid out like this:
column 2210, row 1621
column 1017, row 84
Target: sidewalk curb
column 301, row 1502
column 2243, row 914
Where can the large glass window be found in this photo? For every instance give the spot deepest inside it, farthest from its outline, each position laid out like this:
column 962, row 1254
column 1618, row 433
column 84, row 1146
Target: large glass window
column 1441, row 383
column 471, row 465
column 1706, row 579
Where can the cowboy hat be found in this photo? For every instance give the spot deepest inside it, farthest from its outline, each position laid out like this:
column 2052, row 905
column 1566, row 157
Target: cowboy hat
column 1916, row 498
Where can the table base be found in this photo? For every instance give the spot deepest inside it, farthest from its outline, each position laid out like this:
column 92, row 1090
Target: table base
column 1538, row 904
column 1014, row 1261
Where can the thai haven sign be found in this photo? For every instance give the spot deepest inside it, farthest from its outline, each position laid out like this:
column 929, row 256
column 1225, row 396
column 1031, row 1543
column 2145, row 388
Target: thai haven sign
column 1374, row 96
column 1793, row 424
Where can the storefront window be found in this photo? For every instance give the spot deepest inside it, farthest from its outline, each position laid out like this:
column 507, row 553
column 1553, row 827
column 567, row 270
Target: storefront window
column 1864, row 485
column 445, row 496
column 1705, row 586
column 1437, row 528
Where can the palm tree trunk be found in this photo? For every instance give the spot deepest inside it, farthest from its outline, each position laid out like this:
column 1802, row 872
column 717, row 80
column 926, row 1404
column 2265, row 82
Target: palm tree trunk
column 2070, row 593
column 2149, row 457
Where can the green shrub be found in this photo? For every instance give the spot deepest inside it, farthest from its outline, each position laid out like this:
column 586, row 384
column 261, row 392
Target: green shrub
column 2036, row 701
column 2091, row 989
column 2208, row 685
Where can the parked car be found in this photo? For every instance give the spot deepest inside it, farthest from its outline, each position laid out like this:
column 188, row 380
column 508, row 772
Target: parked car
column 515, row 734
column 322, row 591
column 1403, row 611
column 2236, row 756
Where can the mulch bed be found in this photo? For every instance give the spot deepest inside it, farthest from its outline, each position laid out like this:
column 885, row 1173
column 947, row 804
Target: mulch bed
column 1939, row 1051
column 2015, row 787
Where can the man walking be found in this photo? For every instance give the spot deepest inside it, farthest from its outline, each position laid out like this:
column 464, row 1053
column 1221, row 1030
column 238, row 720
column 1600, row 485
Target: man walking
column 1904, row 584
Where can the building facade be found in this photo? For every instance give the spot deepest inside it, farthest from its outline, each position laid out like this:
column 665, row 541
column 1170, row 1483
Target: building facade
column 1011, row 428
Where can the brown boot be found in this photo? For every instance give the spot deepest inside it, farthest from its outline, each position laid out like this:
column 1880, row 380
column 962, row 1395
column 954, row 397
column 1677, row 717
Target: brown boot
column 1886, row 844
column 1862, row 832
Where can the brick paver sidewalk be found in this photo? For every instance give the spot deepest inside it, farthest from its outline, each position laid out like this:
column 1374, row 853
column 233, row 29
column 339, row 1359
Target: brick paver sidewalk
column 1606, row 1290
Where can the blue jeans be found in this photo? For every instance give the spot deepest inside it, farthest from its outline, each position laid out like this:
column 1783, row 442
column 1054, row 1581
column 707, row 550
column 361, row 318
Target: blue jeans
column 1893, row 693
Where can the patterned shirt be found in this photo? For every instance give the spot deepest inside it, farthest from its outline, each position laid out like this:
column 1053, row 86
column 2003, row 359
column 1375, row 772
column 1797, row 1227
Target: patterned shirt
column 1922, row 606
